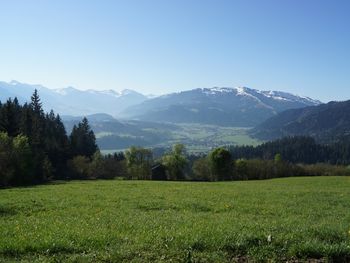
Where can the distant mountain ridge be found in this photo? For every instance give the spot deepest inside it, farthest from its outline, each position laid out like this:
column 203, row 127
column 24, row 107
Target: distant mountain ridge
column 327, row 123
column 225, row 106
column 71, row 101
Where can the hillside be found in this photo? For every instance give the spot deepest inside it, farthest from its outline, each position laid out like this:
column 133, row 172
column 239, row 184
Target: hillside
column 241, row 106
column 325, row 122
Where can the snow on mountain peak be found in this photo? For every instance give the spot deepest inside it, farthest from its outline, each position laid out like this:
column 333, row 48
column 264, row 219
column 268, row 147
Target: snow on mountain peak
column 64, row 91
column 14, row 82
column 110, row 92
column 128, row 92
column 216, row 90
column 240, row 90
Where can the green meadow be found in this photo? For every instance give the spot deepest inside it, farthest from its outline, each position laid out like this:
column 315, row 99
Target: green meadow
column 290, row 219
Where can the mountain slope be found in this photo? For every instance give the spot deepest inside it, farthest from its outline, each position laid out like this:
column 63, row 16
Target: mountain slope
column 326, row 122
column 222, row 106
column 71, row 101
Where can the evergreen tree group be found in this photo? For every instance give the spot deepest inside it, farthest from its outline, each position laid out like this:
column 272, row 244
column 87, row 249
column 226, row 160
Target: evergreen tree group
column 42, row 139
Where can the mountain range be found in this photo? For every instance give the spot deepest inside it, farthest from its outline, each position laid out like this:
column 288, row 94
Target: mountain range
column 224, row 106
column 326, row 123
column 71, row 101
column 240, row 107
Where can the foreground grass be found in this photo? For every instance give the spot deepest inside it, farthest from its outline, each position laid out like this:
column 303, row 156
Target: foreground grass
column 144, row 221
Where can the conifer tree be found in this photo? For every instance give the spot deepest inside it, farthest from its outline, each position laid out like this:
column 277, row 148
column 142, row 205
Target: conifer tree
column 37, row 118
column 10, row 115
column 83, row 140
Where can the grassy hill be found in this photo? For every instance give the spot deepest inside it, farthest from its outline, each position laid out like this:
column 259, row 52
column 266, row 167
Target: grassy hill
column 145, row 221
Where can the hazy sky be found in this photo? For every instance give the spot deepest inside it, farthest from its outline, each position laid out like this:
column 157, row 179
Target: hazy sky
column 300, row 46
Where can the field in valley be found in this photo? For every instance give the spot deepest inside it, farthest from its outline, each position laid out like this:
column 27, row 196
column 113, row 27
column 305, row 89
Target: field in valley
column 148, row 221
column 198, row 138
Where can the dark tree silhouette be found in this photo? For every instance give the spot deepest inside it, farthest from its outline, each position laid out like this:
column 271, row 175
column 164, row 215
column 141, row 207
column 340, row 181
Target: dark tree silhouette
column 83, row 140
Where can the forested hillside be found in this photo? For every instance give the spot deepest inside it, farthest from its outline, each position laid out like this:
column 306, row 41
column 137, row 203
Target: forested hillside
column 326, row 123
column 298, row 149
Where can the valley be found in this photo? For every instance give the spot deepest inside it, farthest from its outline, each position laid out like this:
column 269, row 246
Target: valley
column 198, row 138
column 113, row 135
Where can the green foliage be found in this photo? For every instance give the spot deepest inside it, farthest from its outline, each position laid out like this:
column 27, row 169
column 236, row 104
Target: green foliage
column 15, row 160
column 175, row 162
column 22, row 160
column 257, row 169
column 323, row 169
column 46, row 143
column 221, row 164
column 299, row 149
column 56, row 144
column 46, row 136
column 10, row 117
column 201, row 170
column 99, row 167
column 279, row 220
column 83, row 140
column 241, row 169
column 47, row 169
column 139, row 161
column 79, row 167
column 6, row 166
column 96, row 168
column 278, row 158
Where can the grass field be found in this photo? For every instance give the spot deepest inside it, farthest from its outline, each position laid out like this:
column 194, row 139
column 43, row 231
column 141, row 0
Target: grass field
column 145, row 221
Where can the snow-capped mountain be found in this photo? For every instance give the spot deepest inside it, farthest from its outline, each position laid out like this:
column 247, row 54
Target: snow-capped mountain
column 239, row 106
column 71, row 101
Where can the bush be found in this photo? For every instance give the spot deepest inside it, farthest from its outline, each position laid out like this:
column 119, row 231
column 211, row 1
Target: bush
column 201, row 170
column 79, row 167
column 221, row 164
column 15, row 160
column 139, row 161
column 323, row 169
column 175, row 162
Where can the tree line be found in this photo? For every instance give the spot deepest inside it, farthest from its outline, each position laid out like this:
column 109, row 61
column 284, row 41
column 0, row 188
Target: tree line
column 297, row 149
column 34, row 146
column 138, row 163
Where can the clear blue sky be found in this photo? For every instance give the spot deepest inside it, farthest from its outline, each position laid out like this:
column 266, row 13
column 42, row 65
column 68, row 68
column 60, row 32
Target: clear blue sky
column 160, row 46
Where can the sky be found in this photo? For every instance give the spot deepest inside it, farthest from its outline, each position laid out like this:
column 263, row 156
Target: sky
column 162, row 46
